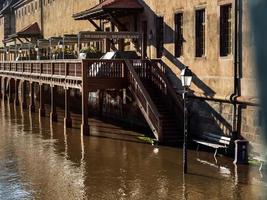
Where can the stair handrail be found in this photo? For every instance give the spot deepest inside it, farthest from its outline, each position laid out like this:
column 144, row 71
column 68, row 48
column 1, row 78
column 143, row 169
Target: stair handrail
column 145, row 94
column 169, row 86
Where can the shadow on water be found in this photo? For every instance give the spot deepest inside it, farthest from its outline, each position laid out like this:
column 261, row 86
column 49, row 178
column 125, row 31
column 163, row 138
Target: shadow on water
column 45, row 161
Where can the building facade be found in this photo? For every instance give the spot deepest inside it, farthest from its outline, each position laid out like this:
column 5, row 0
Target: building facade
column 212, row 37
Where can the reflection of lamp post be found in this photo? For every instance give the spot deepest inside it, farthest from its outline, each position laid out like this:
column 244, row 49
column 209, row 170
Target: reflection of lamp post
column 150, row 38
column 186, row 78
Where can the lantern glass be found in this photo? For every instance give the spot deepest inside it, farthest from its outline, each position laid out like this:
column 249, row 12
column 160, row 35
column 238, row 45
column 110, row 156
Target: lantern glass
column 186, row 81
column 186, row 77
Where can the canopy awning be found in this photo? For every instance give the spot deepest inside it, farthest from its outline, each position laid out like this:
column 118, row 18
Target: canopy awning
column 100, row 35
column 31, row 31
column 110, row 7
column 87, row 36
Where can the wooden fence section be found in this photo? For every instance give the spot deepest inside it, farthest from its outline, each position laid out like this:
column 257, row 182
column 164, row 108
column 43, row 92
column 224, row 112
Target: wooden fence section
column 101, row 74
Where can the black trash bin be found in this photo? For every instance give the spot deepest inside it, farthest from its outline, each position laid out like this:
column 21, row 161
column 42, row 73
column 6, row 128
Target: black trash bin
column 241, row 152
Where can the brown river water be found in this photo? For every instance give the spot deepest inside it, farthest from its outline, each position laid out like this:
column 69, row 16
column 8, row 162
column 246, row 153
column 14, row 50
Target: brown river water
column 40, row 160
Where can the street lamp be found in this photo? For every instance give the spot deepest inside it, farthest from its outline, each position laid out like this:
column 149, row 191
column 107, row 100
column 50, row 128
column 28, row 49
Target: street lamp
column 186, row 78
column 36, row 48
column 60, row 44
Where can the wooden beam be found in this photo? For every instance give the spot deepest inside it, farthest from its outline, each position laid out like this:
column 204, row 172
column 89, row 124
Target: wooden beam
column 95, row 25
column 114, row 20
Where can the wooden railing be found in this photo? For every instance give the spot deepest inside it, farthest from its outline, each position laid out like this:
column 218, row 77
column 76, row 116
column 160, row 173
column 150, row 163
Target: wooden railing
column 105, row 68
column 43, row 68
column 160, row 80
column 146, row 104
column 154, row 71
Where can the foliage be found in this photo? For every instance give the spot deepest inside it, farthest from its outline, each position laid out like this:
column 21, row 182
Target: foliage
column 146, row 139
column 90, row 49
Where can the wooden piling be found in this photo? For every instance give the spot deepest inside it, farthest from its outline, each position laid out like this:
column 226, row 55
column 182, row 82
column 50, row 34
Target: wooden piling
column 85, row 90
column 67, row 118
column 53, row 113
column 32, row 102
column 10, row 96
column 23, row 95
column 41, row 99
column 16, row 98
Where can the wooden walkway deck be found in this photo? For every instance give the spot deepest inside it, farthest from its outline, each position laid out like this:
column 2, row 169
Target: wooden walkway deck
column 145, row 79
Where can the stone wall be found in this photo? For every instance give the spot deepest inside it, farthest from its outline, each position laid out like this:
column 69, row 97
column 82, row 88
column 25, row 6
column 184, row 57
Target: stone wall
column 57, row 16
column 2, row 19
column 214, row 75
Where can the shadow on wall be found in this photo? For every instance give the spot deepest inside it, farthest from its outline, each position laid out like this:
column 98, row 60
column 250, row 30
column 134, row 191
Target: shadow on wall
column 204, row 116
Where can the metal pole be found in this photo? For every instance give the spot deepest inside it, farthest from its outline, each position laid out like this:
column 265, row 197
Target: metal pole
column 50, row 51
column 63, row 49
column 185, row 133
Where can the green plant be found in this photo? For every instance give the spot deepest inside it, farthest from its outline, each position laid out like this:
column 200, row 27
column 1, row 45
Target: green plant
column 90, row 49
column 146, row 139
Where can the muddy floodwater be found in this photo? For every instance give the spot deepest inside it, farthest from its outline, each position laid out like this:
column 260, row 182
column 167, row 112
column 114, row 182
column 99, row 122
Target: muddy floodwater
column 40, row 160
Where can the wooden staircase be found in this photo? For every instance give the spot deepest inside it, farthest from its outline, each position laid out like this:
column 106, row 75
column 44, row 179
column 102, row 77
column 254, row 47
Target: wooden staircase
column 172, row 132
column 157, row 100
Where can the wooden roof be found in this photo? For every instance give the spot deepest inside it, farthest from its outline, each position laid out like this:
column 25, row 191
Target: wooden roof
column 100, row 11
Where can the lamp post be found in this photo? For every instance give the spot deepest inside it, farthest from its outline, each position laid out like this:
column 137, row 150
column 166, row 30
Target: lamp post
column 186, row 78
column 61, row 46
column 7, row 54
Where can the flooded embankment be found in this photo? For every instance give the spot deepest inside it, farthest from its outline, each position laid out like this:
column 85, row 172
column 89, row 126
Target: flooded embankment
column 41, row 160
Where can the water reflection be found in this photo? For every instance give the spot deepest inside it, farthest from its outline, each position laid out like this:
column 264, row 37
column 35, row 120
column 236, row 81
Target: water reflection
column 42, row 160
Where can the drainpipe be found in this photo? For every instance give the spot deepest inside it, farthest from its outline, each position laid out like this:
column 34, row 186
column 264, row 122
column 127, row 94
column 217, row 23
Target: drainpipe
column 237, row 62
column 41, row 6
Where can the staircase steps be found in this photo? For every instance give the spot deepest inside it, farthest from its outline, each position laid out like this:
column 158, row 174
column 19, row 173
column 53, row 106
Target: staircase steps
column 171, row 128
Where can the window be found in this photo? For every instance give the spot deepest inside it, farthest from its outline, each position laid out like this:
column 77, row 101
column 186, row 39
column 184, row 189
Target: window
column 225, row 30
column 178, row 18
column 200, row 32
column 159, row 36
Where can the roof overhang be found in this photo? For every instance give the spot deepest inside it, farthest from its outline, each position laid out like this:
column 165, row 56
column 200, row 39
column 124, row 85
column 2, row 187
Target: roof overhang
column 31, row 31
column 117, row 8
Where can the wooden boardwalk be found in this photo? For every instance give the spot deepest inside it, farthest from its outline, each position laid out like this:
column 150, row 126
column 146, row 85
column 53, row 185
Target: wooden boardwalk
column 146, row 80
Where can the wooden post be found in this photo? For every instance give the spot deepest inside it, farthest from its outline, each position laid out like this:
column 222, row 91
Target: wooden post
column 84, row 126
column 3, row 87
column 53, row 113
column 32, row 103
column 10, row 91
column 67, row 118
column 41, row 98
column 23, row 95
column 16, row 100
